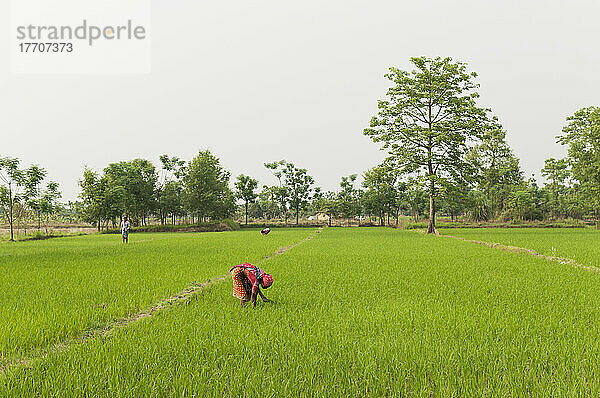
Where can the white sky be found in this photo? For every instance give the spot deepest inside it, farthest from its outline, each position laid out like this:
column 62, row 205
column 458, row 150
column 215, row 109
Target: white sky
column 258, row 81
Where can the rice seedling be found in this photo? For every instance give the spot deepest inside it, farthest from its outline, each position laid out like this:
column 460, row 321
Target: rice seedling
column 56, row 289
column 578, row 244
column 357, row 312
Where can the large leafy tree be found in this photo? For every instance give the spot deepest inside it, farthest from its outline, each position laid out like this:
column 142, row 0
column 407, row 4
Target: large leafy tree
column 267, row 206
column 349, row 197
column 246, row 190
column 296, row 183
column 280, row 190
column 172, row 167
column 207, row 187
column 496, row 174
column 327, row 203
column 170, row 201
column 170, row 191
column 300, row 187
column 381, row 195
column 49, row 204
column 557, row 172
column 582, row 136
column 525, row 203
column 34, row 176
column 93, row 195
column 130, row 188
column 429, row 120
column 453, row 198
column 416, row 196
column 13, row 177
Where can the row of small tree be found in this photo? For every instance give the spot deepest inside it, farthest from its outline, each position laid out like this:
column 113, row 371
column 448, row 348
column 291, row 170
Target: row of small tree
column 23, row 194
column 198, row 190
column 293, row 192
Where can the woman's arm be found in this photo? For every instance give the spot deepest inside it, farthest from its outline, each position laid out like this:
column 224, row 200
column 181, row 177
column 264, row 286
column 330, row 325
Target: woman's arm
column 266, row 300
column 255, row 291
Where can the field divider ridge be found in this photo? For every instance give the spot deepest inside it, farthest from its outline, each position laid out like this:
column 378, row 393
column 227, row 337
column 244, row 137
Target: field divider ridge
column 531, row 252
column 185, row 295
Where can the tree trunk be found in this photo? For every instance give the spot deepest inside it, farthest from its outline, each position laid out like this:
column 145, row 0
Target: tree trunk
column 246, row 213
column 431, row 227
column 297, row 214
column 431, row 174
column 10, row 204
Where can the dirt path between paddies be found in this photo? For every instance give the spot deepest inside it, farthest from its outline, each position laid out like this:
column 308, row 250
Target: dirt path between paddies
column 516, row 249
column 7, row 364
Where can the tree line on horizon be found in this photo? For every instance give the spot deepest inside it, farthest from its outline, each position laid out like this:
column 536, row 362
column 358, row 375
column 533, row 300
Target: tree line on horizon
column 446, row 155
column 23, row 194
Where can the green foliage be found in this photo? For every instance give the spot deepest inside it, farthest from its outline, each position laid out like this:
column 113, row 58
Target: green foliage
column 207, row 188
column 327, row 203
column 34, row 176
column 170, row 192
column 130, row 189
column 49, row 200
column 478, row 206
column 453, row 198
column 209, row 226
column 200, row 189
column 429, row 121
column 267, row 205
column 381, row 194
column 295, row 186
column 557, row 172
column 349, row 198
column 497, row 175
column 92, row 196
column 582, row 136
column 245, row 190
column 12, row 179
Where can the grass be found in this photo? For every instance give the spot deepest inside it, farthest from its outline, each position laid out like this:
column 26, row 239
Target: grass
column 357, row 312
column 39, row 235
column 56, row 289
column 580, row 245
column 446, row 223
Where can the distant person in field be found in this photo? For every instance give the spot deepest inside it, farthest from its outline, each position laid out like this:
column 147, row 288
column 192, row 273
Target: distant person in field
column 265, row 231
column 247, row 280
column 125, row 229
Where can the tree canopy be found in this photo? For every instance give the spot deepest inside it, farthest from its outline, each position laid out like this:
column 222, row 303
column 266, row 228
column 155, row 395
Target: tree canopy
column 429, row 120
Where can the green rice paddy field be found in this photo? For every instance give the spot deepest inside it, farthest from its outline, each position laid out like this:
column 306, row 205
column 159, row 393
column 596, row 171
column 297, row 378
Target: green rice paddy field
column 357, row 312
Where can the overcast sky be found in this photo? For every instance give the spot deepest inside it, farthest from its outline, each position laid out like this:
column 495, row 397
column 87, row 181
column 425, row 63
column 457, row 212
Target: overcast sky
column 258, row 81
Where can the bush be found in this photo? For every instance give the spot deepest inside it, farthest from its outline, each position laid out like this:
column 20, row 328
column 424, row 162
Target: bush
column 212, row 226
